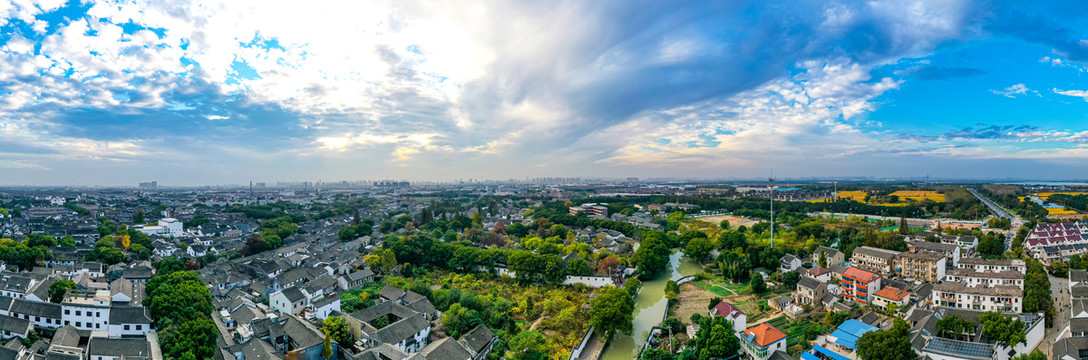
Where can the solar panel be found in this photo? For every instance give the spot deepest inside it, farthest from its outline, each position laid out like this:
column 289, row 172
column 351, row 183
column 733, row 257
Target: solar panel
column 961, row 348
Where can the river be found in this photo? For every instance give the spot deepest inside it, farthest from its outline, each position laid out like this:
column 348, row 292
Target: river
column 649, row 308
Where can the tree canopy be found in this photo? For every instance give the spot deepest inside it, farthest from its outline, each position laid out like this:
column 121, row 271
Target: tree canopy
column 612, row 312
column 890, row 344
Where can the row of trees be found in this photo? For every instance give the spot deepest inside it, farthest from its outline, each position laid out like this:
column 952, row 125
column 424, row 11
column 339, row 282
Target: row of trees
column 181, row 306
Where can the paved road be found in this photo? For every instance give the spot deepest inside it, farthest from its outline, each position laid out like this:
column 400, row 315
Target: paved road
column 1061, row 316
column 994, row 208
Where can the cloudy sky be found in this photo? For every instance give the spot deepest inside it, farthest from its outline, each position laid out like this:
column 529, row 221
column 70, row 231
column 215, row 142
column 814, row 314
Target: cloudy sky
column 207, row 92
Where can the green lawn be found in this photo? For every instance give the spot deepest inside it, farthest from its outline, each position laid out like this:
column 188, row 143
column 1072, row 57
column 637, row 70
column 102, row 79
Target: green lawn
column 717, row 290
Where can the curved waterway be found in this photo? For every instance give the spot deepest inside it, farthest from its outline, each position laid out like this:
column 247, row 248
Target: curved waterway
column 650, row 307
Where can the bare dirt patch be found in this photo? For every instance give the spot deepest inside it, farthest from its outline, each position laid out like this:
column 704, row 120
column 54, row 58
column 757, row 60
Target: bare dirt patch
column 733, row 220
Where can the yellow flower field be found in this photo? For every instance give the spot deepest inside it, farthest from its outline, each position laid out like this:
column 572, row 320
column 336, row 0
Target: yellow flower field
column 919, row 195
column 858, row 196
column 1046, row 195
column 1060, row 211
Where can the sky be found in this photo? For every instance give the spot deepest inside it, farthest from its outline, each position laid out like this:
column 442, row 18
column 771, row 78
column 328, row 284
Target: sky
column 212, row 92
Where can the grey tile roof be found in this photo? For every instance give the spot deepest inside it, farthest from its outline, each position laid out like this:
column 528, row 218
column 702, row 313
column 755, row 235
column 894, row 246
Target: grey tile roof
column 477, row 339
column 808, row 283
column 98, row 346
column 129, row 315
column 34, row 308
column 383, row 309
column 14, row 325
column 257, row 349
column 66, row 335
column 359, row 275
column 403, row 329
column 445, row 349
column 303, row 334
column 293, row 294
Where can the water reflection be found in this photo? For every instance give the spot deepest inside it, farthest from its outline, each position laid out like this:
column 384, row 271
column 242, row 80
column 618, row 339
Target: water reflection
column 649, row 308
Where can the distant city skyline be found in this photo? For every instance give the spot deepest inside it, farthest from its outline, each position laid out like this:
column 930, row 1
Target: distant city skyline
column 223, row 92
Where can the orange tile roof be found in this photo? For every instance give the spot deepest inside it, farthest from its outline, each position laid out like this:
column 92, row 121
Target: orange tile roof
column 859, row 274
column 765, row 334
column 892, row 293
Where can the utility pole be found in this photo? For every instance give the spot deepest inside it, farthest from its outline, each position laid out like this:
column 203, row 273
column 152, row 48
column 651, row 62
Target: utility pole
column 771, row 179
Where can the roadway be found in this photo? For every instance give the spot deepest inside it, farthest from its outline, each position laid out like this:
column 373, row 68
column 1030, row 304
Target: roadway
column 1000, row 212
column 1060, row 288
column 994, row 208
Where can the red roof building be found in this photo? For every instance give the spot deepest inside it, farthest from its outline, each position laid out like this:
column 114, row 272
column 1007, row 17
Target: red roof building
column 859, row 285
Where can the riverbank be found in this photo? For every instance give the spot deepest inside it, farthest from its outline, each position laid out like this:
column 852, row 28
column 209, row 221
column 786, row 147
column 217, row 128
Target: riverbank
column 650, row 307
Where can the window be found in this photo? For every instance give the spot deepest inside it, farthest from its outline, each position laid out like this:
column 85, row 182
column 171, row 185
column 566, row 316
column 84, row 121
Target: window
column 79, row 324
column 126, row 327
column 79, row 313
column 139, row 327
column 98, row 313
column 97, row 326
column 67, row 312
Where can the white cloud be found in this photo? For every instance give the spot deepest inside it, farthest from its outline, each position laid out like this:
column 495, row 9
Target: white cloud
column 1074, row 93
column 1014, row 90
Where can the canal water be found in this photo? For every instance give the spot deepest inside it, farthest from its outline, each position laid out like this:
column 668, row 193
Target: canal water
column 650, row 307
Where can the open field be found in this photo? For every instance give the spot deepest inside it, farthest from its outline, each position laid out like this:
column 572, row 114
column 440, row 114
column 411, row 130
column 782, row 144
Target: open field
column 1046, row 195
column 919, row 195
column 734, row 221
column 1060, row 211
column 858, row 196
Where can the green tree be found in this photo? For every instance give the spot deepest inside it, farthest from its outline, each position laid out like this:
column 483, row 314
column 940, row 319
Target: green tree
column 1003, row 330
column 194, row 339
column 389, row 261
column 790, row 279
column 347, row 233
column 823, row 259
column 58, row 288
column 890, row 344
column 656, row 354
column 612, row 312
column 67, row 241
column 138, row 217
column 169, row 265
column 672, row 290
column 337, row 328
column 652, row 255
column 1037, row 291
column 459, row 320
column 528, row 345
column 991, row 247
column 1034, row 355
column 632, row 285
column 954, row 327
column 141, row 252
column 903, row 228
column 698, row 248
column 757, row 285
column 724, row 224
column 326, row 349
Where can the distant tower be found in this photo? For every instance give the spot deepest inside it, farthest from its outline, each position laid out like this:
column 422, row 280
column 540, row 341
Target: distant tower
column 251, row 188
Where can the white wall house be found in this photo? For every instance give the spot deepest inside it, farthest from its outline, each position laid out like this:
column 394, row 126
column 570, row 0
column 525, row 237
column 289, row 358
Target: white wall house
column 289, row 301
column 166, row 227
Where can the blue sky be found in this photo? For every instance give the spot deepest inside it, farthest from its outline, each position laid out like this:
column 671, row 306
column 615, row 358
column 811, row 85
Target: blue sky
column 207, row 92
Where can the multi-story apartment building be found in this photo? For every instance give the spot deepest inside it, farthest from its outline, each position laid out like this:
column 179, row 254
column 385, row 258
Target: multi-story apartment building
column 859, row 285
column 921, row 265
column 986, row 278
column 1003, row 298
column 979, row 264
column 873, row 259
column 950, row 251
column 833, row 256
